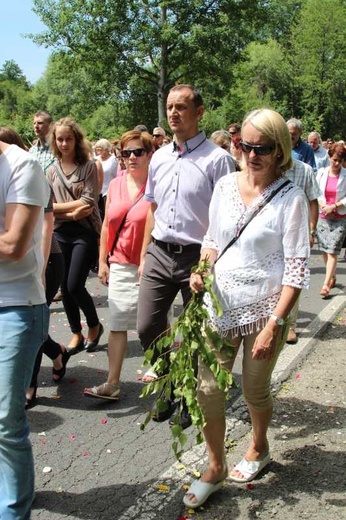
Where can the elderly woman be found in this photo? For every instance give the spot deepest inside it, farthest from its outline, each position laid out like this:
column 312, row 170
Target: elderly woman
column 120, row 247
column 331, row 227
column 258, row 280
column 221, row 138
column 103, row 150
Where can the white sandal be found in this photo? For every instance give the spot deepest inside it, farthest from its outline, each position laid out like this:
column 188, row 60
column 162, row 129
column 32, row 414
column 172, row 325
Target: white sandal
column 150, row 376
column 249, row 469
column 100, row 392
column 201, row 491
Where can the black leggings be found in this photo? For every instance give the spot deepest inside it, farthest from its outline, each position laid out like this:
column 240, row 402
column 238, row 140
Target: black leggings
column 51, row 348
column 80, row 254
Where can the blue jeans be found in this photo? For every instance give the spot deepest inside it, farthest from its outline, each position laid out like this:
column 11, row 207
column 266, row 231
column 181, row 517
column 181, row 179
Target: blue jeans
column 22, row 332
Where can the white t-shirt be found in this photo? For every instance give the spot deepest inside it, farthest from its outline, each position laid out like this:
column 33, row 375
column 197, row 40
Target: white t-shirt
column 22, row 181
column 110, row 169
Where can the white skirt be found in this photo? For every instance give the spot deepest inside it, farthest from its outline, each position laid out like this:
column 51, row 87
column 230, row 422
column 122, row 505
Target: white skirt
column 123, row 289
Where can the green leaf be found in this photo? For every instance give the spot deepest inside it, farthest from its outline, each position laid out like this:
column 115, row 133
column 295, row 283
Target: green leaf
column 195, row 337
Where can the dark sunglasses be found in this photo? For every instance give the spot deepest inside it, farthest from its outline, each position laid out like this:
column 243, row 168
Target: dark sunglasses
column 137, row 151
column 157, row 135
column 257, row 148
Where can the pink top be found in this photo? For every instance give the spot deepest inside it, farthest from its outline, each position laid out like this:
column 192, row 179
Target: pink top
column 330, row 196
column 129, row 244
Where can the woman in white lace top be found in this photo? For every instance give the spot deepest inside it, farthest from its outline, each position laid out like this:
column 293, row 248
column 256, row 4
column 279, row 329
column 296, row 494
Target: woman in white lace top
column 257, row 280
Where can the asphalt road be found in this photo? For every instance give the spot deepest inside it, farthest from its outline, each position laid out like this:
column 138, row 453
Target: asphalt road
column 91, row 459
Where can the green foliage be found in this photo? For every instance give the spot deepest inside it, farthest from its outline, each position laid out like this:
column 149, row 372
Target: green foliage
column 11, row 71
column 113, row 63
column 195, row 339
column 318, row 55
column 158, row 42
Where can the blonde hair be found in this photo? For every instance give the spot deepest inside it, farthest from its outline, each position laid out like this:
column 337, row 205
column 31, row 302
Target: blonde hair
column 272, row 125
column 82, row 146
column 103, row 143
column 221, row 138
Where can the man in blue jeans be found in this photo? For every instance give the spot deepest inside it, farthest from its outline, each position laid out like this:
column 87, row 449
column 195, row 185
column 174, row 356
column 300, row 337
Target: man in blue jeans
column 23, row 319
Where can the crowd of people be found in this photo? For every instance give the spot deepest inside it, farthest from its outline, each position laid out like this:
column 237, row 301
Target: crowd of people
column 144, row 209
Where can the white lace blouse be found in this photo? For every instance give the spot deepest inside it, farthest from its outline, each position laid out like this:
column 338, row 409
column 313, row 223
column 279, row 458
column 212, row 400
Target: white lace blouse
column 271, row 252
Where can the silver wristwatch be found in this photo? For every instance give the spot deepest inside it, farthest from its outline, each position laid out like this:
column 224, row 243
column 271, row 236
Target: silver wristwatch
column 279, row 321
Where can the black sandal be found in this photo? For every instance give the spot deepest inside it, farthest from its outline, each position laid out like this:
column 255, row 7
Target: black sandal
column 31, row 401
column 65, row 356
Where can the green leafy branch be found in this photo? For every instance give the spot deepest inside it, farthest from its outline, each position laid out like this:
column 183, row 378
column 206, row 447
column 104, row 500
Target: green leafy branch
column 176, row 364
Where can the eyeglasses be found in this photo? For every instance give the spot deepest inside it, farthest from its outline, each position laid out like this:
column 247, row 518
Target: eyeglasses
column 234, row 132
column 138, row 152
column 258, row 148
column 157, row 135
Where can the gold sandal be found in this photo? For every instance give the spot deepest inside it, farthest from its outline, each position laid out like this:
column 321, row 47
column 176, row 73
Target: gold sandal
column 102, row 393
column 324, row 292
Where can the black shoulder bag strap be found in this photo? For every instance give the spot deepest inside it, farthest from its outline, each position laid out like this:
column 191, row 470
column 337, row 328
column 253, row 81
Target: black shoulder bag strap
column 240, row 231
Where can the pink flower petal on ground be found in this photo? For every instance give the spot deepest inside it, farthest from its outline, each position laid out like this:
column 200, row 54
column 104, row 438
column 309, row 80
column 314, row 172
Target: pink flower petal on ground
column 86, row 453
column 298, row 376
column 104, row 421
column 71, row 437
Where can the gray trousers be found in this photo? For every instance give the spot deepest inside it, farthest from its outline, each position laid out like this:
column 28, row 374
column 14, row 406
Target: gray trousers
column 164, row 275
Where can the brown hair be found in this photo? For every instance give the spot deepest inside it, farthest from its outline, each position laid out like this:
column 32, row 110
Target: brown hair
column 337, row 149
column 82, row 146
column 145, row 137
column 196, row 95
column 9, row 136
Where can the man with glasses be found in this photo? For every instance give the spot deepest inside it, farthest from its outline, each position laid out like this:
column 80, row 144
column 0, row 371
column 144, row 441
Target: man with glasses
column 182, row 176
column 158, row 136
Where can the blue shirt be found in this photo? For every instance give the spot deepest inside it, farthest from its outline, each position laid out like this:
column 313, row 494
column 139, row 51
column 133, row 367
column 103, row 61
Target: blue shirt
column 181, row 183
column 321, row 157
column 304, row 152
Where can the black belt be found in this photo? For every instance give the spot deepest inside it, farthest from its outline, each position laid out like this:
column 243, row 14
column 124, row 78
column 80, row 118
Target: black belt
column 177, row 249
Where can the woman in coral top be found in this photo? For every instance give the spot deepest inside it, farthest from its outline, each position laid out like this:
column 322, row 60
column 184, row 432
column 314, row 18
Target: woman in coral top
column 331, row 227
column 120, row 246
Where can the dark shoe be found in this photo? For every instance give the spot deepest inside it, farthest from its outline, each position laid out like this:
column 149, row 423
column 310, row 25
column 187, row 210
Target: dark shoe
column 166, row 406
column 61, row 371
column 79, row 348
column 91, row 346
column 292, row 337
column 32, row 401
column 183, row 419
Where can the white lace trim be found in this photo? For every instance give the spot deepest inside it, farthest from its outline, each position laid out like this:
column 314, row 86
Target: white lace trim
column 242, row 320
column 297, row 273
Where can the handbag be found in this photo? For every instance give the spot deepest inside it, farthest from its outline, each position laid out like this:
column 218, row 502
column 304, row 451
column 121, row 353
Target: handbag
column 242, row 228
column 122, row 223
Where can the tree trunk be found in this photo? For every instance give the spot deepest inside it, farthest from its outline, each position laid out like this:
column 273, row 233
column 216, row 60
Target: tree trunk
column 162, row 82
